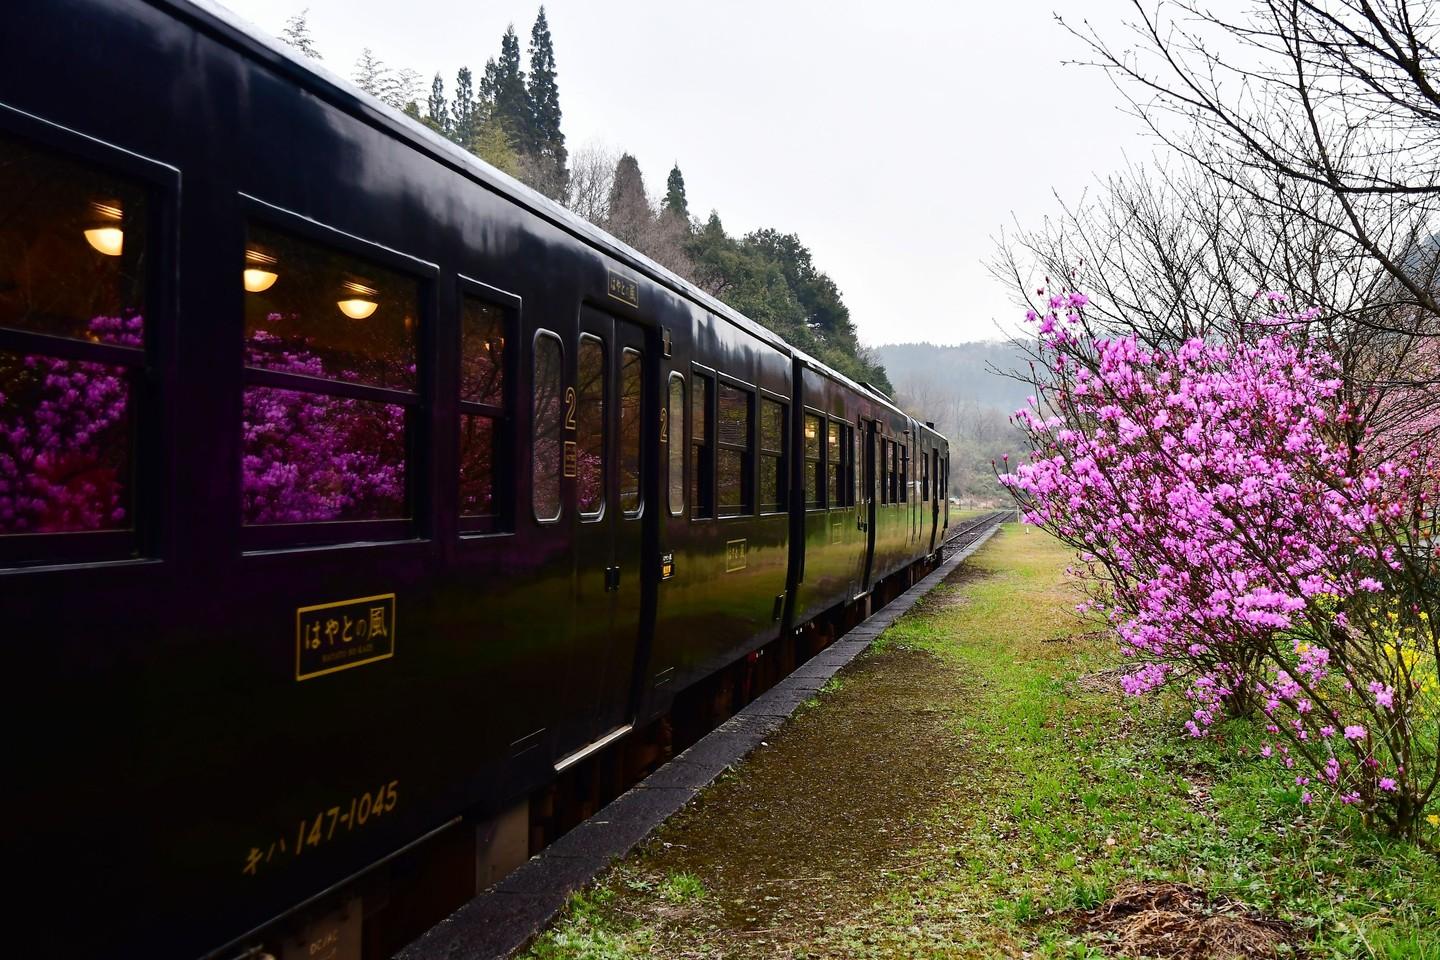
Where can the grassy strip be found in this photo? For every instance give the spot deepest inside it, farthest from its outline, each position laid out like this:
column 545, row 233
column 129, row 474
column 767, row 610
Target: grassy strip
column 1067, row 791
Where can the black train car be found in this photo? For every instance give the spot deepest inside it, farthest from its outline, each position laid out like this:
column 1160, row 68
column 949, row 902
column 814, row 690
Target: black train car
column 351, row 492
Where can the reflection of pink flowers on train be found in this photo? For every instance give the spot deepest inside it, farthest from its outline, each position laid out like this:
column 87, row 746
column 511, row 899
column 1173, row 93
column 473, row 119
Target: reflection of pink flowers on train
column 66, row 442
column 308, row 457
column 65, row 438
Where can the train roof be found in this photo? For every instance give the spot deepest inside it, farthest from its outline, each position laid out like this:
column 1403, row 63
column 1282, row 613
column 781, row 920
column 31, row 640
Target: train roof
column 233, row 28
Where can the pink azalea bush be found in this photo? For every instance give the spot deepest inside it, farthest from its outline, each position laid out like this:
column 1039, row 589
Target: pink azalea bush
column 1250, row 542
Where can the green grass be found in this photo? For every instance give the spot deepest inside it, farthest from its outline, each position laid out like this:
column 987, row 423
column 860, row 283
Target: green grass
column 1066, row 795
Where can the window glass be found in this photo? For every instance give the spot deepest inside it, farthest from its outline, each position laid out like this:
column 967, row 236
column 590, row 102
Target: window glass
column 590, row 425
column 546, row 457
column 309, row 458
column 482, row 352
column 477, row 466
column 734, row 415
column 675, row 427
column 631, row 384
column 814, row 465
column 847, row 472
column 854, row 467
column 72, row 248
column 484, row 415
column 702, row 499
column 882, row 466
column 732, row 458
column 834, row 466
column 904, row 472
column 318, row 312
column 65, row 445
column 773, row 482
column 72, row 264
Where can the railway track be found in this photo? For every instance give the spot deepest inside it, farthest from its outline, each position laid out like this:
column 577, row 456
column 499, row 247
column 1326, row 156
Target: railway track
column 971, row 530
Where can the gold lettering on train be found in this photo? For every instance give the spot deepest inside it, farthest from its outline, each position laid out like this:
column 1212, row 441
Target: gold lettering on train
column 736, row 555
column 330, row 637
column 624, row 289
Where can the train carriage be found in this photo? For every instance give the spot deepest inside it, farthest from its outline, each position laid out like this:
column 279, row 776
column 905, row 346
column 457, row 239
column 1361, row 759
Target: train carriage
column 351, row 493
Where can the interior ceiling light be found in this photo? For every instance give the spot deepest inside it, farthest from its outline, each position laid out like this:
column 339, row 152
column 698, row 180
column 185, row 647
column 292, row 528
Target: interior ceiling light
column 360, row 304
column 104, row 233
column 259, row 275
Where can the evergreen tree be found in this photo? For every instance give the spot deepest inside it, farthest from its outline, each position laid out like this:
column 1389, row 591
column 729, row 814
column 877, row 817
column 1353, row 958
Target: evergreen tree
column 464, row 124
column 630, row 216
column 370, row 73
column 437, row 115
column 297, row 35
column 492, row 144
column 675, row 203
column 544, row 137
column 511, row 99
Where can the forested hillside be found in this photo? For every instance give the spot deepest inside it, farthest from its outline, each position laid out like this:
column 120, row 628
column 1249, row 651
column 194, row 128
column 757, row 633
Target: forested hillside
column 964, row 390
column 511, row 118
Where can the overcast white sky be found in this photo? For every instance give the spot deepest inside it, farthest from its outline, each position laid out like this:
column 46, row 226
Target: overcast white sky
column 895, row 138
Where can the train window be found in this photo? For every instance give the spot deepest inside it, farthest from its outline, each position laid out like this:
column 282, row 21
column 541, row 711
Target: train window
column 318, row 312
column 904, row 472
column 631, row 393
column 549, row 411
column 882, row 454
column 814, row 462
column 73, row 248
column 675, row 440
column 846, row 479
column 590, row 426
column 773, row 479
column 477, row 466
column 330, row 370
column 894, row 472
column 732, row 456
column 924, row 477
column 854, row 468
column 482, row 352
column 702, row 467
column 484, row 412
column 834, row 466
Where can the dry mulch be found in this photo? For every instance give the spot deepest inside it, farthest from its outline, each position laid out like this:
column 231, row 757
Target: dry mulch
column 1174, row 920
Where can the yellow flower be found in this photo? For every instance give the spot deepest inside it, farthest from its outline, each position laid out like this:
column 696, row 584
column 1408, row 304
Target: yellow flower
column 1433, row 820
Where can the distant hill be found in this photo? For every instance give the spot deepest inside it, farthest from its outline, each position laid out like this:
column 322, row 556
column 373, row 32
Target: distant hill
column 959, row 389
column 962, row 370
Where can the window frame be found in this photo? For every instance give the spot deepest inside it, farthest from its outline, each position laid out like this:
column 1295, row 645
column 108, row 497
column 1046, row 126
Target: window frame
column 703, row 478
column 748, row 504
column 677, row 437
column 503, row 432
column 641, row 437
column 591, row 516
column 822, row 476
column 905, row 471
column 419, row 490
column 761, row 455
column 535, row 338
column 149, row 370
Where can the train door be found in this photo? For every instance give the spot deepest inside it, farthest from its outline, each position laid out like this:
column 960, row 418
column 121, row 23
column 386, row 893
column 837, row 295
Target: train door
column 872, row 451
column 609, row 467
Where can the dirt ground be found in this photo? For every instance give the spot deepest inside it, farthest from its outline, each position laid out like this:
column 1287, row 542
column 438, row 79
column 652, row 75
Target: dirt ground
column 817, row 824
